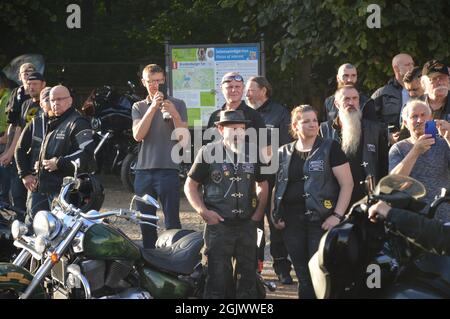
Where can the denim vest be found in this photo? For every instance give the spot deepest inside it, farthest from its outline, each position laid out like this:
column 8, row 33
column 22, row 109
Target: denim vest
column 230, row 189
column 321, row 187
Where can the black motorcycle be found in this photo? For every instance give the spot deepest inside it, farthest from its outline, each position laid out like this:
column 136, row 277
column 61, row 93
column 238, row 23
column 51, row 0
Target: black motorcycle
column 110, row 113
column 362, row 259
column 7, row 215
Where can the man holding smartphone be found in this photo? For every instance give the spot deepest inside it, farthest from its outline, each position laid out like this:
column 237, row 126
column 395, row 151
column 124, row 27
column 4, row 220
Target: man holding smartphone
column 156, row 171
column 422, row 156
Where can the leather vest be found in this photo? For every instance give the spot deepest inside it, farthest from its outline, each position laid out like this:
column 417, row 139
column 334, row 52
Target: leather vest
column 321, row 187
column 230, row 189
column 370, row 140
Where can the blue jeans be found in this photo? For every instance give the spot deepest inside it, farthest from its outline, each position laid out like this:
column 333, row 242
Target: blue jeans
column 37, row 201
column 163, row 184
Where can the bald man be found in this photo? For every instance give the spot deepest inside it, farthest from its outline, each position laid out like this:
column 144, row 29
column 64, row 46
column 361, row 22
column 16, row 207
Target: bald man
column 68, row 138
column 348, row 75
column 390, row 98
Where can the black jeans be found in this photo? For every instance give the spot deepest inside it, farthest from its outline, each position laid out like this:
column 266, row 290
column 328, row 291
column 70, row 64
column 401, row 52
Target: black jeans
column 302, row 239
column 278, row 251
column 223, row 243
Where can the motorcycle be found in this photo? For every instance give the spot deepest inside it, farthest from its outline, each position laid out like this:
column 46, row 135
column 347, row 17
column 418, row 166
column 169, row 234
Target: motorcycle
column 362, row 259
column 72, row 254
column 110, row 113
column 7, row 214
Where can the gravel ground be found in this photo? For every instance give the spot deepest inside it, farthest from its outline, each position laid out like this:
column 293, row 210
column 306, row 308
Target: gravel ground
column 118, row 197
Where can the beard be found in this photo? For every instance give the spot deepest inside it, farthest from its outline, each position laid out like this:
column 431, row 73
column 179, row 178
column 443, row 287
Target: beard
column 254, row 104
column 351, row 131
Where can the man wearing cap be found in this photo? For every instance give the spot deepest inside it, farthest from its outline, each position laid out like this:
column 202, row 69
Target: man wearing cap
column 68, row 138
column 27, row 154
column 233, row 201
column 14, row 109
column 435, row 80
column 233, row 91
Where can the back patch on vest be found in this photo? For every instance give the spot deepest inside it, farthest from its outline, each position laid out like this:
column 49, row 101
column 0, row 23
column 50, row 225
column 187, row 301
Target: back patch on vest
column 316, row 166
column 371, row 148
column 248, row 168
column 216, row 176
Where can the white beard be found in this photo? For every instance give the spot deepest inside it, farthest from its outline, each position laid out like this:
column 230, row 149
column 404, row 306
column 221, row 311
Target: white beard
column 254, row 105
column 351, row 131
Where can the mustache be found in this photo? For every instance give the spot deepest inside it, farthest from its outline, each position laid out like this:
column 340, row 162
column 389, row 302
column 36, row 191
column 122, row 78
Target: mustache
column 442, row 87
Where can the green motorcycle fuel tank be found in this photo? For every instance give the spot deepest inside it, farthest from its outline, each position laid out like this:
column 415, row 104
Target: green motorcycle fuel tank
column 106, row 243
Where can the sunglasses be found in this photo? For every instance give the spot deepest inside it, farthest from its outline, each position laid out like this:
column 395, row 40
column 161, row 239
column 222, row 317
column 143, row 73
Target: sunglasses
column 230, row 78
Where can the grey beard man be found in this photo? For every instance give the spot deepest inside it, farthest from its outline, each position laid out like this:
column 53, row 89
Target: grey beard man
column 351, row 130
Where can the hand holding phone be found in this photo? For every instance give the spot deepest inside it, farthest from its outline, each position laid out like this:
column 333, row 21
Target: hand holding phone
column 162, row 87
column 430, row 128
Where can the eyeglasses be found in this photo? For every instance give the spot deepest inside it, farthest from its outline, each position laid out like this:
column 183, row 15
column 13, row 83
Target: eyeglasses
column 160, row 81
column 59, row 99
column 230, row 78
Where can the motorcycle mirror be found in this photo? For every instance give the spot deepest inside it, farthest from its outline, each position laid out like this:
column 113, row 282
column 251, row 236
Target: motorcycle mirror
column 406, row 184
column 147, row 199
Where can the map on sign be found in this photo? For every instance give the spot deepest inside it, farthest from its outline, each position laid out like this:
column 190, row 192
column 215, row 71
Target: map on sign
column 196, row 73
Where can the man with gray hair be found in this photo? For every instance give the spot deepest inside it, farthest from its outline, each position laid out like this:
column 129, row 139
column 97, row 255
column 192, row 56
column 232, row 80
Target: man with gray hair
column 435, row 80
column 276, row 117
column 348, row 75
column 423, row 157
column 364, row 142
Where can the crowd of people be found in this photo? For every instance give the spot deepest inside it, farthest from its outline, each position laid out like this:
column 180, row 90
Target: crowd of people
column 323, row 157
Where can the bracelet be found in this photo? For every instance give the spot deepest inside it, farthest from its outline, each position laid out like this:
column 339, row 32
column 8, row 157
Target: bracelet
column 340, row 217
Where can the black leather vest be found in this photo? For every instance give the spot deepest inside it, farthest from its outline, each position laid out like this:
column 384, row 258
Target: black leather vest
column 230, row 189
column 370, row 140
column 321, row 187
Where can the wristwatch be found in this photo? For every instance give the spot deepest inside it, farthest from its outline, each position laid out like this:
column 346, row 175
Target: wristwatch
column 340, row 217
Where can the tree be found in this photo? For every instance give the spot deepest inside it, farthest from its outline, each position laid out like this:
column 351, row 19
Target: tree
column 331, row 32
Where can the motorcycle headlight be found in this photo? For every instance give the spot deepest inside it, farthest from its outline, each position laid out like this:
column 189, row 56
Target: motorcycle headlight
column 46, row 224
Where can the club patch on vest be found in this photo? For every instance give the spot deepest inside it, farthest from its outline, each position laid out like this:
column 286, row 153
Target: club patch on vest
column 216, row 176
column 371, row 148
column 316, row 166
column 327, row 204
column 60, row 135
column 248, row 168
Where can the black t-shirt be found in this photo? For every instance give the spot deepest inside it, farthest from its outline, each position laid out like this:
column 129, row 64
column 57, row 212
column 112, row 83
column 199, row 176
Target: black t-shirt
column 28, row 111
column 13, row 111
column 293, row 200
column 200, row 169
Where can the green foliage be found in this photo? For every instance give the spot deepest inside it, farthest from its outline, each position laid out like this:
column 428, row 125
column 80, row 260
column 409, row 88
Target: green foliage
column 335, row 31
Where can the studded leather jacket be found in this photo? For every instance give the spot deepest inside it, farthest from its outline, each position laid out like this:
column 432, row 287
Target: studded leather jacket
column 321, row 187
column 230, row 189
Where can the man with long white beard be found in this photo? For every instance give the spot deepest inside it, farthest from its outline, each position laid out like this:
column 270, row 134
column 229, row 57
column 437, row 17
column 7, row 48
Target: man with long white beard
column 363, row 141
column 233, row 202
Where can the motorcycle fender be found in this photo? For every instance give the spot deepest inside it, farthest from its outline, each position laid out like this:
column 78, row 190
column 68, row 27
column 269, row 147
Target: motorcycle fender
column 17, row 278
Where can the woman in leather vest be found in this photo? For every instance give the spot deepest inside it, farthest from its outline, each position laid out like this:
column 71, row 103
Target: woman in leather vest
column 312, row 191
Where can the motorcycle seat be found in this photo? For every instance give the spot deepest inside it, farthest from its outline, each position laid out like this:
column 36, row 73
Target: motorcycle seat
column 180, row 258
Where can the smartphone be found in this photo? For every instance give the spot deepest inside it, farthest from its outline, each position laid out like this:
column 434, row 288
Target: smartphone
column 430, row 128
column 162, row 87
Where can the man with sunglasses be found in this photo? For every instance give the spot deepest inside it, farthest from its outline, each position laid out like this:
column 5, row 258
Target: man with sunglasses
column 68, row 138
column 233, row 91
